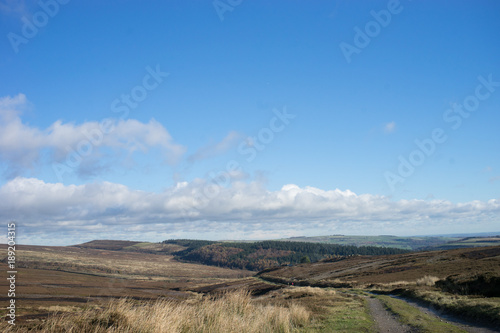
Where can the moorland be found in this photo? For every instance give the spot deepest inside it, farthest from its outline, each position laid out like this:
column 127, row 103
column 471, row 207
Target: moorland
column 288, row 286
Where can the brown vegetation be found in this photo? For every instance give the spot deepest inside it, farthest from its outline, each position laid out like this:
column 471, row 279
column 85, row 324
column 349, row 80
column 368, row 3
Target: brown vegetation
column 366, row 271
column 70, row 276
column 120, row 264
column 76, row 289
column 232, row 312
column 485, row 284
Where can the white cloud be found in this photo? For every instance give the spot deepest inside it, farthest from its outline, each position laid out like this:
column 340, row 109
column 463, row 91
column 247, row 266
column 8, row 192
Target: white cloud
column 111, row 210
column 21, row 145
column 494, row 179
column 217, row 148
column 390, row 127
column 488, row 169
column 16, row 7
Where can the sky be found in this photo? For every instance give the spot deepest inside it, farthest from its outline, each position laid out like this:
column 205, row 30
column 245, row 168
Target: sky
column 234, row 119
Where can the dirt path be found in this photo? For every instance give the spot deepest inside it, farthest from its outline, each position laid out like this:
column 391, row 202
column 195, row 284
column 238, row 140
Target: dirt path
column 386, row 322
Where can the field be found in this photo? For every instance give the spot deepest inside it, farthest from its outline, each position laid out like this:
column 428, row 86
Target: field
column 82, row 288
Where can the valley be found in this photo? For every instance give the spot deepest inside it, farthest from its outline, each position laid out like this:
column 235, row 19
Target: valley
column 340, row 292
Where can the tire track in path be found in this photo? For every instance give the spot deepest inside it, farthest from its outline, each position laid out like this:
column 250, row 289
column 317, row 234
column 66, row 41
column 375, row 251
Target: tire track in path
column 384, row 320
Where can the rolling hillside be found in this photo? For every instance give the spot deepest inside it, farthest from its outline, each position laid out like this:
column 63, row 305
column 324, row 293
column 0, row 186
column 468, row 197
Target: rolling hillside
column 76, row 284
column 365, row 271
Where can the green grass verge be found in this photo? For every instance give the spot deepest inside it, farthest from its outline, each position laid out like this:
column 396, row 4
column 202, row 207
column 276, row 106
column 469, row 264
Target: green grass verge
column 413, row 317
column 482, row 309
column 350, row 316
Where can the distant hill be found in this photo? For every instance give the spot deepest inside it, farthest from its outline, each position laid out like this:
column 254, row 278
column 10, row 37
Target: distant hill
column 131, row 246
column 468, row 242
column 413, row 243
column 406, row 243
column 112, row 245
column 265, row 254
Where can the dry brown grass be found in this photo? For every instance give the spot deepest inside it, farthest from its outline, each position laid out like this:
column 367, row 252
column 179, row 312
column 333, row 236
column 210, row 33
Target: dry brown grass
column 231, row 312
column 68, row 276
column 119, row 264
column 308, row 291
column 358, row 271
column 427, row 280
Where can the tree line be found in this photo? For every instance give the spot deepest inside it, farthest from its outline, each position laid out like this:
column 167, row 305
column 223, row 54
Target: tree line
column 265, row 254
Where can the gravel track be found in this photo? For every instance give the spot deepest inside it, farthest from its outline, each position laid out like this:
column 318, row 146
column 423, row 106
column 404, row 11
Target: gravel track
column 386, row 321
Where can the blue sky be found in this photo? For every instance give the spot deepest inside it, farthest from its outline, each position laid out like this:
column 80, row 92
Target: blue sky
column 307, row 138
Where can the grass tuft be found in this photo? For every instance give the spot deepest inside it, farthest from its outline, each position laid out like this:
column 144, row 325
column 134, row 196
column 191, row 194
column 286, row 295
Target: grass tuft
column 427, row 281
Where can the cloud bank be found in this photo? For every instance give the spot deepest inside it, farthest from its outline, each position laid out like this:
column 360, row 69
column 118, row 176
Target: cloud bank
column 101, row 210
